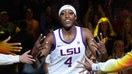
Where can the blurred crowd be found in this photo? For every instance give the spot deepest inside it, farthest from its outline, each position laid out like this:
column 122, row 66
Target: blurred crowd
column 25, row 20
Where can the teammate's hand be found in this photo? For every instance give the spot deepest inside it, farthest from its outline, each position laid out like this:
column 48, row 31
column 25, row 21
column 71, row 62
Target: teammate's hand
column 26, row 58
column 85, row 65
column 9, row 48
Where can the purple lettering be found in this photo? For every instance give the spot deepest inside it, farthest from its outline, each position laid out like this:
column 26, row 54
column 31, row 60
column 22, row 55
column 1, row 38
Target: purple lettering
column 76, row 51
column 70, row 51
column 62, row 53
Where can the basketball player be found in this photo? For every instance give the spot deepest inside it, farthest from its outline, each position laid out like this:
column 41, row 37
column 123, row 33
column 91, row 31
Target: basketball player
column 67, row 45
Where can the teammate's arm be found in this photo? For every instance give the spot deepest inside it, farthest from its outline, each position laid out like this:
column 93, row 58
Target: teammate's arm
column 111, row 65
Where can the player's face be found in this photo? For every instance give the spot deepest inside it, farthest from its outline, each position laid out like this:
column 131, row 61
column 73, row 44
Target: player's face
column 67, row 18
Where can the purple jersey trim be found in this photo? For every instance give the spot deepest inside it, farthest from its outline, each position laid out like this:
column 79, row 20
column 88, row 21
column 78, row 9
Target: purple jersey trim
column 71, row 40
column 82, row 36
column 54, row 46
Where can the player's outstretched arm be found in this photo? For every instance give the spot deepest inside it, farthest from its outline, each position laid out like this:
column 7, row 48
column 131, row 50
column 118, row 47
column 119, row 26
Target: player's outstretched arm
column 101, row 52
column 36, row 51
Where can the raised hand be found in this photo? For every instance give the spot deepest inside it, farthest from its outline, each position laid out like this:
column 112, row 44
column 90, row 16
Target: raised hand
column 38, row 46
column 101, row 52
column 36, row 51
column 26, row 58
column 9, row 48
column 100, row 45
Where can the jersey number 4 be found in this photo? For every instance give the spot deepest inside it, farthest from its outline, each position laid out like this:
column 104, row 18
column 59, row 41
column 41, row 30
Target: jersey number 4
column 68, row 62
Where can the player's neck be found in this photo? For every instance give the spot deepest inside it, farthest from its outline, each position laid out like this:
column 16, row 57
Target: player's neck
column 68, row 31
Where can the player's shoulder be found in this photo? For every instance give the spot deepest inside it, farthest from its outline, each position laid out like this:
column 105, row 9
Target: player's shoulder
column 84, row 29
column 86, row 33
column 49, row 37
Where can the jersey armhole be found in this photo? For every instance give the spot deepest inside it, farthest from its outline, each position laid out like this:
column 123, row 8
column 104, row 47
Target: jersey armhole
column 82, row 36
column 54, row 45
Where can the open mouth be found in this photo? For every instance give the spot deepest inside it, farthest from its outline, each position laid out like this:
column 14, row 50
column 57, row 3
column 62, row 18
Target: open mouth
column 67, row 21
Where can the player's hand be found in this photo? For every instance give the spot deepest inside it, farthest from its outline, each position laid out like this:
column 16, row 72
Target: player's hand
column 38, row 46
column 9, row 48
column 100, row 45
column 85, row 65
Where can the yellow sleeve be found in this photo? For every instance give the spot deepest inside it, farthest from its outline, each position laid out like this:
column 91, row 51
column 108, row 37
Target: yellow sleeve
column 113, row 65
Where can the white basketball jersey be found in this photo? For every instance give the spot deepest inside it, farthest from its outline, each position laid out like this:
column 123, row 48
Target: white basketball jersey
column 63, row 59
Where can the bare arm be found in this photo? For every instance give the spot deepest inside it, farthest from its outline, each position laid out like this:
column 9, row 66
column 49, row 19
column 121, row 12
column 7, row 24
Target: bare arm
column 88, row 40
column 98, row 49
column 48, row 42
